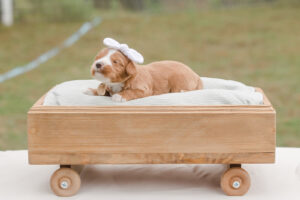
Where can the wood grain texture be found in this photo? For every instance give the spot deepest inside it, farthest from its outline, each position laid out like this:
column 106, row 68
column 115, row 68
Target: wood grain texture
column 151, row 134
column 150, row 158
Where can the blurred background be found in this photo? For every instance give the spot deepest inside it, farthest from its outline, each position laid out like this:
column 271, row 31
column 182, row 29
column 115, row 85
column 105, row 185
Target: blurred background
column 253, row 41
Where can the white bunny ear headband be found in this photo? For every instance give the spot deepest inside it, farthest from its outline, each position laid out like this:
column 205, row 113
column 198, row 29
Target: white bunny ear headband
column 130, row 53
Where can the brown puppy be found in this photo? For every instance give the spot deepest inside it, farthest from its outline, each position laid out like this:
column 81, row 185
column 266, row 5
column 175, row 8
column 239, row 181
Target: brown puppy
column 126, row 80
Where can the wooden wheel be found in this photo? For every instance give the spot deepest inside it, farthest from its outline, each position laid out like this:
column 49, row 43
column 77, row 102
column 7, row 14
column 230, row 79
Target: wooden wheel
column 65, row 182
column 235, row 181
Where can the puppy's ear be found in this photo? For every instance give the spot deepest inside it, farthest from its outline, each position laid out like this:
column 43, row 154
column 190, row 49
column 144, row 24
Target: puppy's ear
column 131, row 69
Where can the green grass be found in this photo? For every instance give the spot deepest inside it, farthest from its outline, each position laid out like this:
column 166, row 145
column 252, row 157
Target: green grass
column 257, row 45
column 24, row 42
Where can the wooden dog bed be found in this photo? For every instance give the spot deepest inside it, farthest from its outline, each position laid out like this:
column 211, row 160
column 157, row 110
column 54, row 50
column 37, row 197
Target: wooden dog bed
column 80, row 135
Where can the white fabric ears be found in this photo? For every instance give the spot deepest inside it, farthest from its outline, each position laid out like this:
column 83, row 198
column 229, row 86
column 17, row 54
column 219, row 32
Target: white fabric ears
column 132, row 54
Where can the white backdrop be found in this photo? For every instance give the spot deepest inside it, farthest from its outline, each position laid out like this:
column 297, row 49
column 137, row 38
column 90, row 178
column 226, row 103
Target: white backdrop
column 19, row 180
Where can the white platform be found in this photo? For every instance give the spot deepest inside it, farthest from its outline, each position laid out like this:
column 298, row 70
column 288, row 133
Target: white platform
column 19, row 180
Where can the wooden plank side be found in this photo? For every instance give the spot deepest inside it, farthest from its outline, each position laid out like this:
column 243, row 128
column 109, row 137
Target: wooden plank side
column 150, row 158
column 136, row 109
column 119, row 133
column 151, row 134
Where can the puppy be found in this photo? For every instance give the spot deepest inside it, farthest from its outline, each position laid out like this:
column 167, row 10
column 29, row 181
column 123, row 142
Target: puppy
column 125, row 80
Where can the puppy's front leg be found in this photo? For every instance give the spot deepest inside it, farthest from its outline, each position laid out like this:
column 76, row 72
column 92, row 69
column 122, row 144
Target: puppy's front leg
column 91, row 92
column 100, row 91
column 127, row 95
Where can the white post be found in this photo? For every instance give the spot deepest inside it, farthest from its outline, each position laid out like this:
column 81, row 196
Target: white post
column 7, row 12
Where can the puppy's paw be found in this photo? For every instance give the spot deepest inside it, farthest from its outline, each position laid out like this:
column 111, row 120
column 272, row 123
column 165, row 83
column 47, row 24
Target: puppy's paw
column 118, row 98
column 101, row 90
column 89, row 91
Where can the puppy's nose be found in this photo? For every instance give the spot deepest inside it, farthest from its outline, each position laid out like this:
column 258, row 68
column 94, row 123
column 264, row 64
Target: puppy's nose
column 98, row 65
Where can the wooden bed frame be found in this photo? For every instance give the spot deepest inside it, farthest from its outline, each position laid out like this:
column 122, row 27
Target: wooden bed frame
column 81, row 135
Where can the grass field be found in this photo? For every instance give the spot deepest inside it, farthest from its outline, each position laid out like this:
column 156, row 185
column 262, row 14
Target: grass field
column 257, row 45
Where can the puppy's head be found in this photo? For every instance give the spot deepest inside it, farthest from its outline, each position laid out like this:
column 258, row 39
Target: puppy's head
column 112, row 66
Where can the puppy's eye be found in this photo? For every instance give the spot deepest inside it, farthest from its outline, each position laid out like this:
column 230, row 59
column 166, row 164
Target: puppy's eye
column 115, row 61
